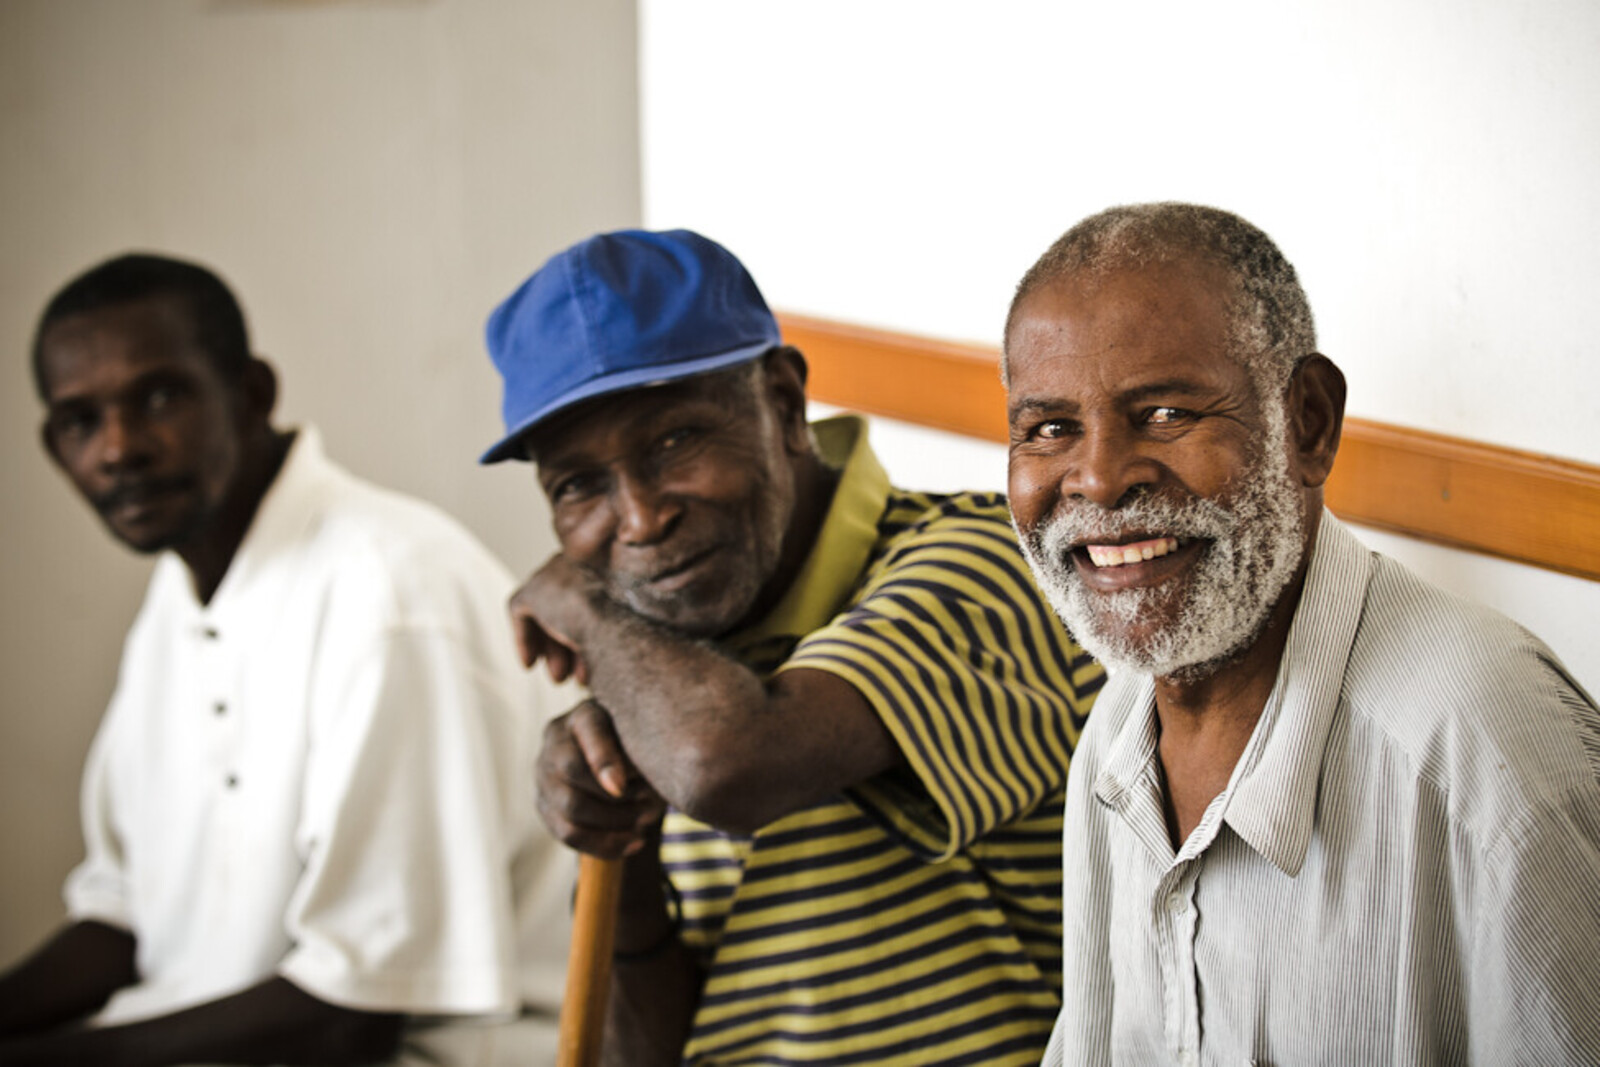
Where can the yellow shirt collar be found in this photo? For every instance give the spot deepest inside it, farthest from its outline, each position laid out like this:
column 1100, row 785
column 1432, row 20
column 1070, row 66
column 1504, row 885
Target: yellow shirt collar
column 832, row 570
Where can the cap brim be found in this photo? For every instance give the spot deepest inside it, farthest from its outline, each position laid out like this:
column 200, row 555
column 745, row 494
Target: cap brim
column 633, row 378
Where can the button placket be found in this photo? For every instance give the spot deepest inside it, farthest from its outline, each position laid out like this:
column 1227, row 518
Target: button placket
column 220, row 723
column 1175, row 920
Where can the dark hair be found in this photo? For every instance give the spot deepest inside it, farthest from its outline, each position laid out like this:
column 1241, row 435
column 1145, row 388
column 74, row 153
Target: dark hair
column 212, row 310
column 1270, row 319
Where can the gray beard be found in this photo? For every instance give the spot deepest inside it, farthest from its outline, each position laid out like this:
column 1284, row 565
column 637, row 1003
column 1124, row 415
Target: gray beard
column 1217, row 611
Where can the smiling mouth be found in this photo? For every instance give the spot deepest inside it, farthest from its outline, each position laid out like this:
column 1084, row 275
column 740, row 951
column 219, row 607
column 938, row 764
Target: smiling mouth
column 1130, row 553
column 676, row 570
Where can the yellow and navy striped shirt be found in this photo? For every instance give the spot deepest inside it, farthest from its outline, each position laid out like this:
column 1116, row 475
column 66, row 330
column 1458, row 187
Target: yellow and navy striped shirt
column 915, row 918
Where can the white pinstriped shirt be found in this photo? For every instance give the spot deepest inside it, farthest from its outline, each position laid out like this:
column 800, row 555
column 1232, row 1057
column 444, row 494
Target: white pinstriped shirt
column 1404, row 867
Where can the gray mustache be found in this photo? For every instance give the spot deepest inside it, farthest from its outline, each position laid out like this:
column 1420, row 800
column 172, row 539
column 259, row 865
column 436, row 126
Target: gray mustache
column 1085, row 522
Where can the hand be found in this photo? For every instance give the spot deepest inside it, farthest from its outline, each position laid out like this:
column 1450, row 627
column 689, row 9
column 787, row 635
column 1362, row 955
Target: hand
column 548, row 614
column 590, row 794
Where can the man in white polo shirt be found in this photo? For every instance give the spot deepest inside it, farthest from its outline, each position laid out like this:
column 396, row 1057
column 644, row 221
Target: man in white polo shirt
column 307, row 812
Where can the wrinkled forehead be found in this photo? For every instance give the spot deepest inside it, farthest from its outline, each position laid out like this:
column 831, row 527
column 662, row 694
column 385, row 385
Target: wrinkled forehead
column 1185, row 305
column 1201, row 277
column 589, row 424
column 1189, row 294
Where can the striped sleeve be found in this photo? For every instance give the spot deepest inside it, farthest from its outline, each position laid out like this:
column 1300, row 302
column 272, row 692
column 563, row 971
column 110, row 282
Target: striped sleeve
column 982, row 689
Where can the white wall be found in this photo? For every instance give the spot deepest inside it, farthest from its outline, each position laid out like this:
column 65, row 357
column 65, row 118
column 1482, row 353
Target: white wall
column 1429, row 166
column 372, row 176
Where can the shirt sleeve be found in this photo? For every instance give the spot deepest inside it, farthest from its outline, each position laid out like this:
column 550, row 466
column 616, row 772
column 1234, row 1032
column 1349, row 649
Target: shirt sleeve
column 1533, row 976
column 97, row 888
column 418, row 745
column 982, row 689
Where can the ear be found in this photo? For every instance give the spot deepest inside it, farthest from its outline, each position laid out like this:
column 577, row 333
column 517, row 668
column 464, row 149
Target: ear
column 258, row 390
column 1316, row 417
column 786, row 386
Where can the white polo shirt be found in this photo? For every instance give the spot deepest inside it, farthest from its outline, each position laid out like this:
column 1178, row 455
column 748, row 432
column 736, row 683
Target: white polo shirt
column 325, row 773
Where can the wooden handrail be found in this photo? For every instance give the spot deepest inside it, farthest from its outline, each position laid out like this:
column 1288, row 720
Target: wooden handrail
column 1517, row 505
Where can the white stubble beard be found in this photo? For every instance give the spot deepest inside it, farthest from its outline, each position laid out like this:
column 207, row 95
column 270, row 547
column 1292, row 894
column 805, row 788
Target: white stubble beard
column 1256, row 542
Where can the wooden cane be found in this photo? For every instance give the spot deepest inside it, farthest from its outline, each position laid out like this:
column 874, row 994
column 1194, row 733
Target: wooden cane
column 594, row 929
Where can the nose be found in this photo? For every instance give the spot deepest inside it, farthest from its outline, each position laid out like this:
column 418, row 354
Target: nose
column 1109, row 465
column 645, row 514
column 123, row 441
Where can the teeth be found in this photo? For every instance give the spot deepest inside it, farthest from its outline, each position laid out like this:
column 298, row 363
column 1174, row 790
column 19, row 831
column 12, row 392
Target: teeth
column 1121, row 555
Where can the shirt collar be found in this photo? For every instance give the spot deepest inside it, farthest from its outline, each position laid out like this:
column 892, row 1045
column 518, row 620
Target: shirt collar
column 1273, row 806
column 1270, row 800
column 833, row 568
column 1132, row 702
column 1129, row 782
column 288, row 506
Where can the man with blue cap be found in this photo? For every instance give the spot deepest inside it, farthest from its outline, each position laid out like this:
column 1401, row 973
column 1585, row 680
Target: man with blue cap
column 830, row 719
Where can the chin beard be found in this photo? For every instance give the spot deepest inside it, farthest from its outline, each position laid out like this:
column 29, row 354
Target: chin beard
column 725, row 603
column 692, row 613
column 1216, row 612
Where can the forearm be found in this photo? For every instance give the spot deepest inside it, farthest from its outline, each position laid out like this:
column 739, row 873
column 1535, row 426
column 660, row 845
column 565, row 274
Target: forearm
column 710, row 736
column 273, row 1022
column 690, row 717
column 655, row 979
column 70, row 977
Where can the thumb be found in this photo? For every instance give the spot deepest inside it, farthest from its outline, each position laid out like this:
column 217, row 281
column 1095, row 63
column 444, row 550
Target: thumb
column 602, row 750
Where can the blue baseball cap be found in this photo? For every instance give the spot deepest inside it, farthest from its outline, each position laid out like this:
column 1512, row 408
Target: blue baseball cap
column 620, row 311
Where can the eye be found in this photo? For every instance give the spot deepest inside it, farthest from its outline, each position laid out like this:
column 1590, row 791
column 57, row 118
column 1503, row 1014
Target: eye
column 163, row 393
column 675, row 439
column 74, row 423
column 1054, row 429
column 573, row 488
column 1165, row 416
column 159, row 397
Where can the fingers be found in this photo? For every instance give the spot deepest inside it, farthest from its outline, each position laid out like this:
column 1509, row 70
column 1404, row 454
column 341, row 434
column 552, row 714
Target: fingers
column 531, row 638
column 602, row 751
column 589, row 794
column 558, row 661
column 534, row 642
column 536, row 637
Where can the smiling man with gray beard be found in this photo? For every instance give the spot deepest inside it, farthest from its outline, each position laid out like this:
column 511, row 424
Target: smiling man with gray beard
column 1324, row 812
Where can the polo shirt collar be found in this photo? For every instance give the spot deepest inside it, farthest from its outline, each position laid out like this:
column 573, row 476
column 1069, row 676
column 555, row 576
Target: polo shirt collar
column 844, row 544
column 289, row 505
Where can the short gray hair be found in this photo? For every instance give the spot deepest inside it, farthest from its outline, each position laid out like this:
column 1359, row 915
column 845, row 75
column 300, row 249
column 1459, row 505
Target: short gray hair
column 1270, row 318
